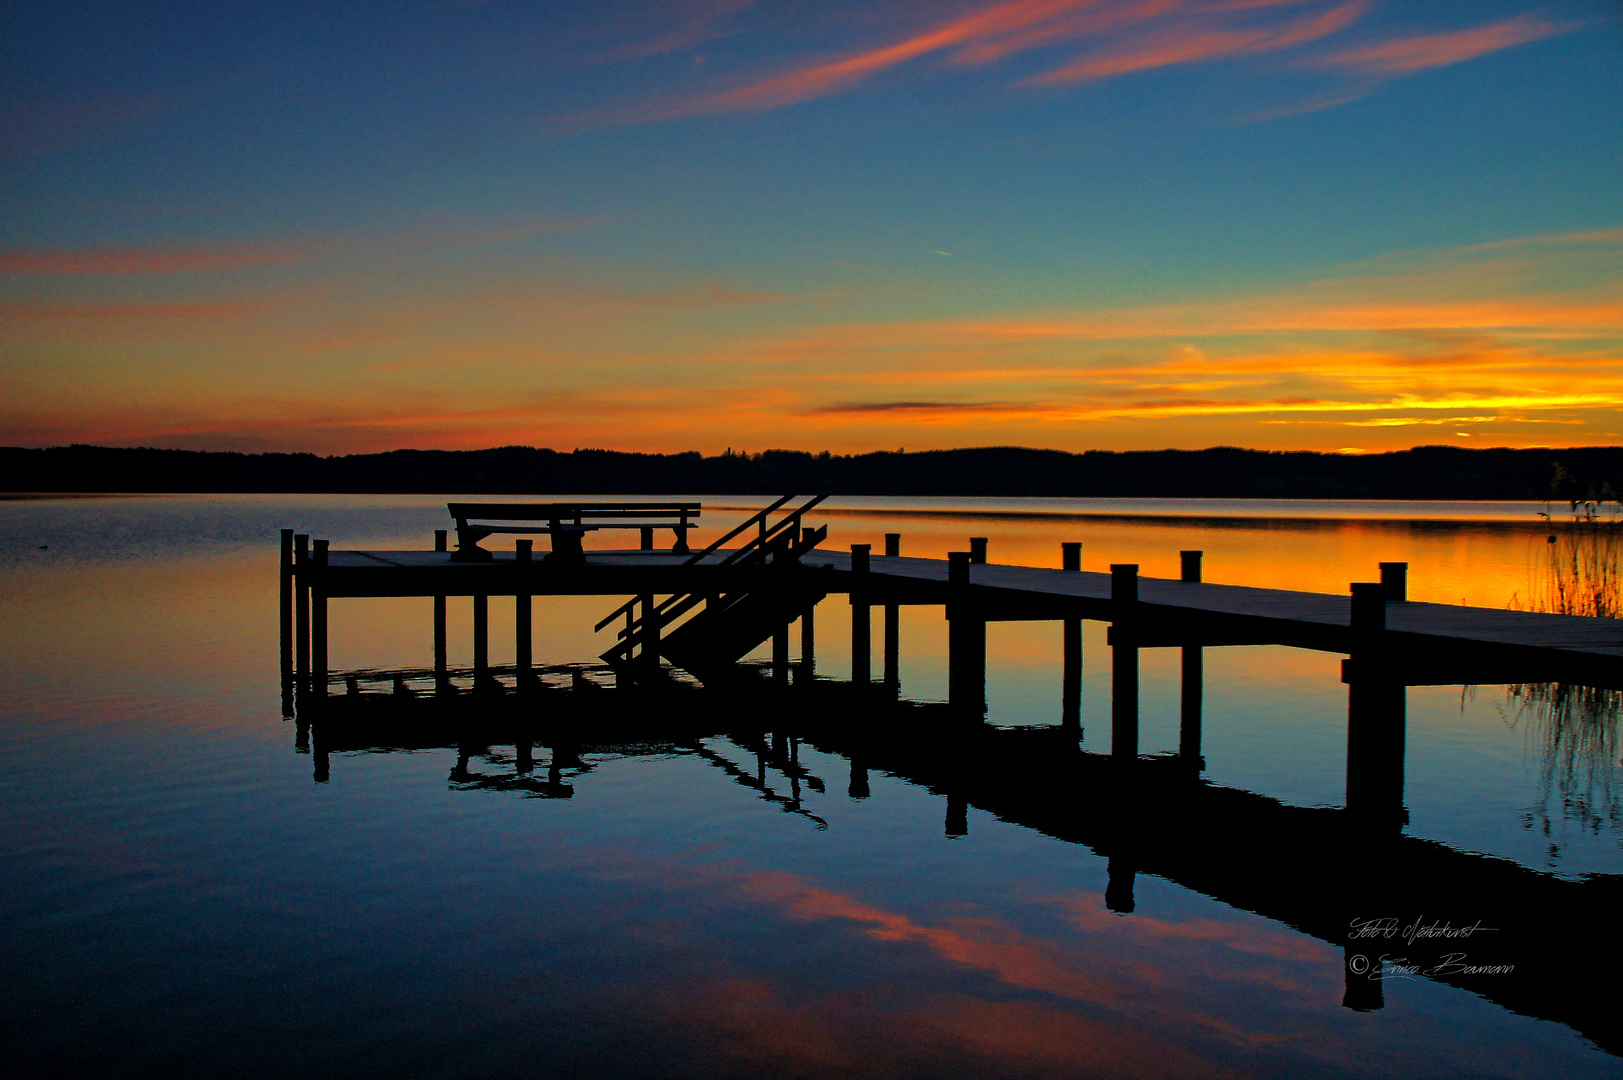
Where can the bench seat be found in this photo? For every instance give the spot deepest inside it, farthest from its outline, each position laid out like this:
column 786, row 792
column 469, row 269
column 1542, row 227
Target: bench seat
column 566, row 523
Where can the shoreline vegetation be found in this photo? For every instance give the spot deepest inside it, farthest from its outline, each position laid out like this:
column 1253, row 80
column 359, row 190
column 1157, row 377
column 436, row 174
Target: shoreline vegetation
column 1574, row 730
column 1439, row 473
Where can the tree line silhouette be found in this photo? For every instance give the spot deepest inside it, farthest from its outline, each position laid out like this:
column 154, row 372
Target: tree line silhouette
column 1425, row 472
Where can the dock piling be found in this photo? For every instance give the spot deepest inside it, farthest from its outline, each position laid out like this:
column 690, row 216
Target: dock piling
column 861, row 625
column 318, row 620
column 1124, row 663
column 893, row 679
column 977, row 549
column 808, row 645
column 780, row 655
column 966, row 643
column 1192, row 698
column 523, row 637
column 1395, row 580
column 301, row 621
column 481, row 641
column 1071, row 690
column 442, row 676
column 1190, row 561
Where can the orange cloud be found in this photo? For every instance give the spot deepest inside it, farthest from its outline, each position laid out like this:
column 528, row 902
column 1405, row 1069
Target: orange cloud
column 145, row 260
column 1403, row 55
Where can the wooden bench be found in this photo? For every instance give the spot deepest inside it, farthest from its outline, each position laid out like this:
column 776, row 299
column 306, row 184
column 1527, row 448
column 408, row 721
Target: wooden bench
column 566, row 523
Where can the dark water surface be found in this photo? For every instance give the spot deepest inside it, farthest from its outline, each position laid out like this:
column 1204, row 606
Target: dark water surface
column 182, row 898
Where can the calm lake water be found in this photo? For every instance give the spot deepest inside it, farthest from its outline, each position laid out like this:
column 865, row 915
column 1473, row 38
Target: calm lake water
column 184, row 897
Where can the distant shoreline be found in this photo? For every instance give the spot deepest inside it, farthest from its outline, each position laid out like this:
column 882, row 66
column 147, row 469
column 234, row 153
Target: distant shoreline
column 1427, row 473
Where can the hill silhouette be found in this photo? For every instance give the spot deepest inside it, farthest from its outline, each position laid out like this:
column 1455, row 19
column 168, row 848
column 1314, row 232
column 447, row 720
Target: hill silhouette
column 1425, row 472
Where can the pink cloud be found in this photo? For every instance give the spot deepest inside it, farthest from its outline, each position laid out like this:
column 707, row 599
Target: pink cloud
column 1400, row 56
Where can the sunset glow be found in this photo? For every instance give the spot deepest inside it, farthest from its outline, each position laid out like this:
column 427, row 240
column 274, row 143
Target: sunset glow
column 1079, row 224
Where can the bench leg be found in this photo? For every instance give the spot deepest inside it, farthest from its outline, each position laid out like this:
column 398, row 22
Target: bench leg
column 566, row 548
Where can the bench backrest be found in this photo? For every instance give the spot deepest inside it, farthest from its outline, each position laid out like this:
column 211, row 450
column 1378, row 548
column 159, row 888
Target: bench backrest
column 576, row 512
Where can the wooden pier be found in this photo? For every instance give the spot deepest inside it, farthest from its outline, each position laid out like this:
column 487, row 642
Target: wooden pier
column 704, row 611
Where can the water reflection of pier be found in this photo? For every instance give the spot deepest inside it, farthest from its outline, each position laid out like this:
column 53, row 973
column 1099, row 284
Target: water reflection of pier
column 1311, row 868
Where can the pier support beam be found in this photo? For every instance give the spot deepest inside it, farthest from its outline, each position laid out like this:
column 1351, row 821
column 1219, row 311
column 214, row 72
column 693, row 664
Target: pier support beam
column 893, row 625
column 966, row 643
column 523, row 637
column 861, row 624
column 301, row 569
column 808, row 646
column 286, row 611
column 1189, row 719
column 442, row 674
column 1377, row 720
column 318, row 620
column 1124, row 663
column 481, row 642
column 1071, row 690
column 648, row 656
column 780, row 655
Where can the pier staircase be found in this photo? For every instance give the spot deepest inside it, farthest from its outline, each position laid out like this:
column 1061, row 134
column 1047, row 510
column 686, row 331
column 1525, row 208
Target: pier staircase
column 707, row 634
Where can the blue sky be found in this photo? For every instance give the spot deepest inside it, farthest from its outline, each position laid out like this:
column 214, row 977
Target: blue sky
column 1074, row 223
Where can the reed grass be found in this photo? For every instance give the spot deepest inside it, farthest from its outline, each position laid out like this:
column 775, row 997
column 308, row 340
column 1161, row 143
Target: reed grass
column 1573, row 730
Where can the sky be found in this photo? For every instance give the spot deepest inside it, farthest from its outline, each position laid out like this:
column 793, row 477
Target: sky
column 665, row 226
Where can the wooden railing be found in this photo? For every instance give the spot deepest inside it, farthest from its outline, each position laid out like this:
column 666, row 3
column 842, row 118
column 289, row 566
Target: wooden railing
column 771, row 541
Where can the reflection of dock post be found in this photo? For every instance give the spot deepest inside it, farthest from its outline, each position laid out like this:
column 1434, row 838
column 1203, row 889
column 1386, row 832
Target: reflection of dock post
column 966, row 643
column 861, row 627
column 1124, row 663
column 301, row 620
column 893, row 633
column 318, row 621
column 522, row 635
column 857, row 787
column 442, row 675
column 1071, row 692
column 808, row 645
column 1376, row 717
column 1119, row 885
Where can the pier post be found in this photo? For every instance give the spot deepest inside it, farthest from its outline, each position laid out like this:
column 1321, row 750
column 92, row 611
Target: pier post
column 285, row 580
column 1190, row 561
column 1194, row 678
column 481, row 642
column 1395, row 581
column 523, row 638
column 1124, row 663
column 442, row 675
column 301, row 621
column 780, row 655
column 1377, row 718
column 808, row 645
column 977, row 550
column 966, row 643
column 649, row 654
column 318, row 620
column 893, row 622
column 648, row 538
column 861, row 626
column 1071, row 691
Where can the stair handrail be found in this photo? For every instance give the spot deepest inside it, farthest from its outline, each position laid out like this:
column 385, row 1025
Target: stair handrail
column 751, row 520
